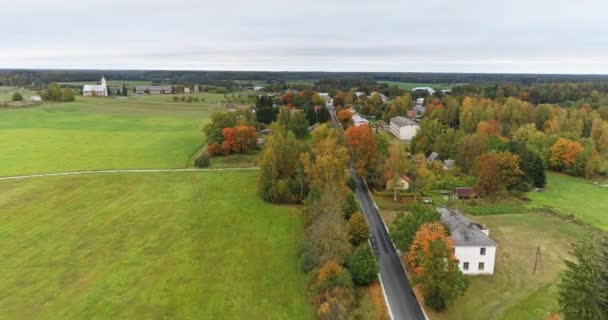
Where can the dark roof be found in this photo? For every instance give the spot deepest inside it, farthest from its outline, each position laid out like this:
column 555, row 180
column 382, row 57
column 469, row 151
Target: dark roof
column 153, row 88
column 464, row 191
column 463, row 231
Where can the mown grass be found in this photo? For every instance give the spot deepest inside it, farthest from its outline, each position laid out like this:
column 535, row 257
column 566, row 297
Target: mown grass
column 574, row 197
column 513, row 292
column 102, row 133
column 148, row 246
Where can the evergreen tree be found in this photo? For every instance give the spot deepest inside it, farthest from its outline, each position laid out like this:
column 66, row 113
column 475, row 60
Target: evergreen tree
column 363, row 265
column 583, row 291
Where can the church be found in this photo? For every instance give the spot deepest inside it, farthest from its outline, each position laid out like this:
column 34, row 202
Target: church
column 94, row 90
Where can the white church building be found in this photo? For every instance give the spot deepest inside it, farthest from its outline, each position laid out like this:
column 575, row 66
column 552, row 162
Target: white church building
column 475, row 251
column 95, row 90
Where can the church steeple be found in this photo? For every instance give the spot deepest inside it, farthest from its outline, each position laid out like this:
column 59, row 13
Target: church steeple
column 103, row 80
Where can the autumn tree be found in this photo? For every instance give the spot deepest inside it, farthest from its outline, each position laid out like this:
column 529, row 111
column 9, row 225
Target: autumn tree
column 497, row 172
column 405, row 226
column 325, row 168
column 583, row 291
column 421, row 177
column 426, row 136
column 332, row 291
column 345, row 117
column 280, row 177
column 365, row 153
column 469, row 149
column 395, row 167
column 358, row 231
column 363, row 265
column 490, row 127
column 339, row 100
column 563, row 153
column 434, row 269
column 599, row 134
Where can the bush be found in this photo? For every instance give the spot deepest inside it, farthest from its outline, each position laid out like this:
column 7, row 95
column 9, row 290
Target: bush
column 349, row 206
column 67, row 95
column 358, row 231
column 203, row 159
column 363, row 266
column 351, row 183
column 17, row 97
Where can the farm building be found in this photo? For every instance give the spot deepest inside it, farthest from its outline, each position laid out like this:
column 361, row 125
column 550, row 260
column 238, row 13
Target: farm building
column 153, row 89
column 36, row 99
column 464, row 193
column 403, row 128
column 473, row 247
column 94, row 90
column 427, row 90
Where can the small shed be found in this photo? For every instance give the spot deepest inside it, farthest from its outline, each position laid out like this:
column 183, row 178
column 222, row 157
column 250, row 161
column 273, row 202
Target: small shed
column 464, row 193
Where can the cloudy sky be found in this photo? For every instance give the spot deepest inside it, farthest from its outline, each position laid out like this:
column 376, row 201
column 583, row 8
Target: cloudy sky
column 535, row 36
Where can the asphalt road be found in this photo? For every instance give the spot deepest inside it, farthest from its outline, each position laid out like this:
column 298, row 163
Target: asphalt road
column 403, row 303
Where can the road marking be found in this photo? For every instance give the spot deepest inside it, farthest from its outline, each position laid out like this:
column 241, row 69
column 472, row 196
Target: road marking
column 71, row 173
column 388, row 305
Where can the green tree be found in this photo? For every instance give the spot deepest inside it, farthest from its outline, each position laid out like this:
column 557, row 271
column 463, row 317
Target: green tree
column 52, row 92
column 434, row 269
column 17, row 96
column 124, row 90
column 405, row 226
column 67, row 95
column 349, row 206
column 363, row 265
column 280, row 178
column 583, row 291
column 426, row 136
column 358, row 231
column 395, row 167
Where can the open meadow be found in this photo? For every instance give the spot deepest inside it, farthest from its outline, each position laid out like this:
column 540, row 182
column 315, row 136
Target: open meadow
column 103, row 133
column 513, row 292
column 148, row 246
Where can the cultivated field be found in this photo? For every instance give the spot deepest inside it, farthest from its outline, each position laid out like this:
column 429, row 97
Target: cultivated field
column 103, row 133
column 148, row 246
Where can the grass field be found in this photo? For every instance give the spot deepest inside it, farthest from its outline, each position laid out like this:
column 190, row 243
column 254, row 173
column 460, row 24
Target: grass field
column 103, row 133
column 116, row 83
column 6, row 93
column 411, row 85
column 574, row 197
column 513, row 292
column 148, row 246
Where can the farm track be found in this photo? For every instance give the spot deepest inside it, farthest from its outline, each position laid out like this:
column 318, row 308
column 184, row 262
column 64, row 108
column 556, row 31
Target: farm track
column 86, row 172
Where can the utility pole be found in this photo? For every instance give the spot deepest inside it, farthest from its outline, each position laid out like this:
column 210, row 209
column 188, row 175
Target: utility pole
column 538, row 261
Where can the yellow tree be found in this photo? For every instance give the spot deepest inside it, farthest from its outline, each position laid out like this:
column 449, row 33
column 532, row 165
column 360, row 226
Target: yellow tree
column 395, row 167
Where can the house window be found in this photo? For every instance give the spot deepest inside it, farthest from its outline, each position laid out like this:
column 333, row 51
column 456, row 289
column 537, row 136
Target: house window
column 481, row 266
column 482, row 251
column 465, row 266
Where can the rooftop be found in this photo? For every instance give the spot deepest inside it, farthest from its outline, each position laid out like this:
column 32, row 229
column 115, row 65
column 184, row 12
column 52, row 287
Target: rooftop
column 403, row 121
column 463, row 231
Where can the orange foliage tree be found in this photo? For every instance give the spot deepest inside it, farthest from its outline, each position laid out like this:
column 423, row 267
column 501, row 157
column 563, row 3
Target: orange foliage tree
column 240, row 139
column 497, row 172
column 332, row 291
column 365, row 151
column 434, row 268
column 563, row 153
column 345, row 117
column 490, row 127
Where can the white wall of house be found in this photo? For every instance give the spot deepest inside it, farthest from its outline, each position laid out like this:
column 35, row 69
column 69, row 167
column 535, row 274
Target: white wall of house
column 405, row 133
column 473, row 256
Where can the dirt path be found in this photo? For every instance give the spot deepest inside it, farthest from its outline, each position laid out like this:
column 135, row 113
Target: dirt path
column 71, row 173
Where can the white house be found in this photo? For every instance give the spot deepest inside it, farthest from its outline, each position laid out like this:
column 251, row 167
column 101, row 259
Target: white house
column 475, row 251
column 429, row 90
column 36, row 99
column 358, row 120
column 94, row 90
column 403, row 128
column 166, row 89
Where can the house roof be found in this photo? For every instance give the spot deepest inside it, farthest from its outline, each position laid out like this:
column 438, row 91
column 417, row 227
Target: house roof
column 433, row 156
column 464, row 232
column 403, row 121
column 357, row 119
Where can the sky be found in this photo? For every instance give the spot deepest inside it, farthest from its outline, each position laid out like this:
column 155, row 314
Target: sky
column 517, row 36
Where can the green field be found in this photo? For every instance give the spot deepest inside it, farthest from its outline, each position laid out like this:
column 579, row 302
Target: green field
column 569, row 196
column 148, row 246
column 116, row 83
column 411, row 85
column 513, row 292
column 6, row 93
column 103, row 133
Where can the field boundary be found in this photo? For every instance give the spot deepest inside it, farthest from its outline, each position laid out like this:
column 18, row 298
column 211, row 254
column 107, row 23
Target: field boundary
column 86, row 172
